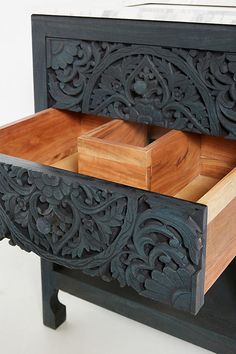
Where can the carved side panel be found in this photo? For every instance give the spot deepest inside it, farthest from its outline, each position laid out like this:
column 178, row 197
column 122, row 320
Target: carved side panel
column 152, row 243
column 191, row 90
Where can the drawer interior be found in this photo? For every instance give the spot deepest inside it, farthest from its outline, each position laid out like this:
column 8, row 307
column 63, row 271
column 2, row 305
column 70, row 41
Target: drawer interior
column 126, row 148
column 183, row 165
column 48, row 136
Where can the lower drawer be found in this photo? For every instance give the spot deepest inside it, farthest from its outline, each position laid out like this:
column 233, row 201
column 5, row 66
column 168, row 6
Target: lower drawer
column 159, row 242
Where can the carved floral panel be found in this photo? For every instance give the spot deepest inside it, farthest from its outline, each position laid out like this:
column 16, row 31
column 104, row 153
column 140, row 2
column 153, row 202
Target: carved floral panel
column 191, row 90
column 151, row 243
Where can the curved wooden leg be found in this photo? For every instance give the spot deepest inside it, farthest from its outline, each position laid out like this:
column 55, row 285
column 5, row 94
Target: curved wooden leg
column 54, row 313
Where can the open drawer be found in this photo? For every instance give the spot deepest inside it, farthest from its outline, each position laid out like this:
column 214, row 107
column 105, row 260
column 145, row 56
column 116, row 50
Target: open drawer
column 158, row 241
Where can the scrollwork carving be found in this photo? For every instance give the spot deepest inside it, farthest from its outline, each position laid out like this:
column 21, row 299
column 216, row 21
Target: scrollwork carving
column 151, row 243
column 192, row 90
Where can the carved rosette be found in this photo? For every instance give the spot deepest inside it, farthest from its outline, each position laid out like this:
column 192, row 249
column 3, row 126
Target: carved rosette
column 191, row 90
column 151, row 243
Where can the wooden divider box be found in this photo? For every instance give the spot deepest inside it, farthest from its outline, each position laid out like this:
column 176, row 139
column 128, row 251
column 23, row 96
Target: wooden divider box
column 121, row 152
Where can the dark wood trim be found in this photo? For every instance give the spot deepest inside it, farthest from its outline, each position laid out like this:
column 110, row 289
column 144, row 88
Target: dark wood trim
column 199, row 36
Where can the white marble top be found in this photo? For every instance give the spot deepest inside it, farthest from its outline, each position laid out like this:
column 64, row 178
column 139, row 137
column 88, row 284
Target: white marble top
column 200, row 11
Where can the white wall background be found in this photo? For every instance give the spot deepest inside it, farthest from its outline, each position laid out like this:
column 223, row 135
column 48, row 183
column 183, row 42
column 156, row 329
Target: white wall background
column 89, row 329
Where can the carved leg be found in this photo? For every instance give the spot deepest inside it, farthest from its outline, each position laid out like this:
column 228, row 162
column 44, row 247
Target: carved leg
column 54, row 313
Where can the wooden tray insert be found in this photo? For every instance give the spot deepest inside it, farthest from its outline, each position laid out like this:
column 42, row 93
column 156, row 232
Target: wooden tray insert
column 121, row 152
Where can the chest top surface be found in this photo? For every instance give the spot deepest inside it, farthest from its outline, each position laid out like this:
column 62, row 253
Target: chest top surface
column 197, row 11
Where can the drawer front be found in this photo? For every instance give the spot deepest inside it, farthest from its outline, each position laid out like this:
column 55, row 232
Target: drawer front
column 149, row 242
column 180, row 86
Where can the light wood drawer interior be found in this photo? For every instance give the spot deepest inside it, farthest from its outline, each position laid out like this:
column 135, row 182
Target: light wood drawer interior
column 191, row 167
column 127, row 149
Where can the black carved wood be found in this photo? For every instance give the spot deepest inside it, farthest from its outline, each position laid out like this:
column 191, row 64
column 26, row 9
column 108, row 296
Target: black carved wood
column 214, row 327
column 185, row 89
column 54, row 312
column 149, row 242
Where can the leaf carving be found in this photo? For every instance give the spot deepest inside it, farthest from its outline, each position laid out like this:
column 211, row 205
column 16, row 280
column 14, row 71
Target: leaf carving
column 192, row 90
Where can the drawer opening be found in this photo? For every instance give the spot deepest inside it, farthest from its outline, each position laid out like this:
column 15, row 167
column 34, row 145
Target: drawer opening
column 183, row 165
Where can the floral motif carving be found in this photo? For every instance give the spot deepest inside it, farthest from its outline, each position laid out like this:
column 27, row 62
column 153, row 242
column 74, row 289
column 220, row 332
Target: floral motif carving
column 151, row 243
column 192, row 90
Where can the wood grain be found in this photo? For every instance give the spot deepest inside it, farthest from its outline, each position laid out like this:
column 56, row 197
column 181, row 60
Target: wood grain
column 69, row 163
column 221, row 244
column 45, row 137
column 197, row 188
column 218, row 156
column 122, row 153
column 90, row 122
column 219, row 149
column 215, row 168
column 123, row 173
column 118, row 151
column 175, row 162
column 218, row 197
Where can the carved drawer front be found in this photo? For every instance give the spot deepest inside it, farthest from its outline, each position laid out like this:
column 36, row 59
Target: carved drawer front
column 161, row 243
column 172, row 87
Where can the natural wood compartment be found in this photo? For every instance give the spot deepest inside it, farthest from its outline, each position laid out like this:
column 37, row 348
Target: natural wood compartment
column 187, row 166
column 125, row 148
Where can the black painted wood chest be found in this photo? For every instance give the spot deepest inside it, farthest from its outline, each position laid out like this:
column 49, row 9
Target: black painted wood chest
column 124, row 181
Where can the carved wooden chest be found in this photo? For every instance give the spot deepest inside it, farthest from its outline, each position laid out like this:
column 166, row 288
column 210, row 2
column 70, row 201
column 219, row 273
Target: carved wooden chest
column 124, row 182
